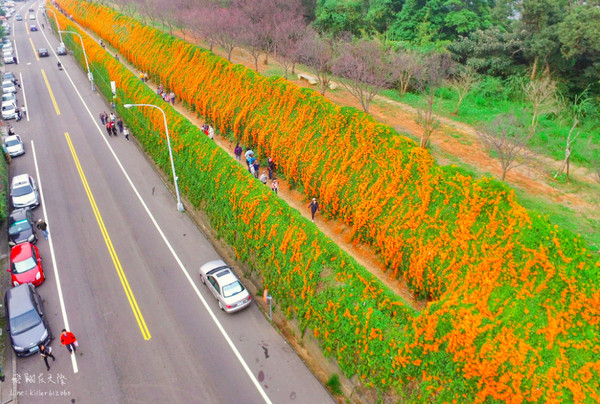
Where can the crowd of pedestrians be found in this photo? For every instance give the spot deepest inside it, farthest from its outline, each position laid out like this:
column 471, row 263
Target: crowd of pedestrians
column 113, row 125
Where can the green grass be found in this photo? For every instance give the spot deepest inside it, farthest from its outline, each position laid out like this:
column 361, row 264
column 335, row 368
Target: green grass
column 564, row 217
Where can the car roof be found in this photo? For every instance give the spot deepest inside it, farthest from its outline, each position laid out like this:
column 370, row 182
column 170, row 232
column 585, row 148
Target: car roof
column 8, row 102
column 18, row 299
column 225, row 276
column 19, row 180
column 22, row 251
column 18, row 215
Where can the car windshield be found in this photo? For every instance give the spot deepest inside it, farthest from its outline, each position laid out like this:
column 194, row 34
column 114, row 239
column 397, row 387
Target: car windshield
column 24, row 322
column 22, row 190
column 7, row 85
column 24, row 266
column 12, row 142
column 18, row 227
column 232, row 289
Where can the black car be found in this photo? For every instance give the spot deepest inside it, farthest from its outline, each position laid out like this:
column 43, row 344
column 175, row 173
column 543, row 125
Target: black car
column 43, row 52
column 27, row 322
column 21, row 227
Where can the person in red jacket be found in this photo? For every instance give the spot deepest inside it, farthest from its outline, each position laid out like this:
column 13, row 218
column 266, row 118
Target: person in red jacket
column 69, row 341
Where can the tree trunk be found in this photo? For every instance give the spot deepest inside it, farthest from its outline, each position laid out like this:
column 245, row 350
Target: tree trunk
column 534, row 70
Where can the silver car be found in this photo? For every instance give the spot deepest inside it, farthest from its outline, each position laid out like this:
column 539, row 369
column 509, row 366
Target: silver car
column 23, row 192
column 14, row 145
column 225, row 286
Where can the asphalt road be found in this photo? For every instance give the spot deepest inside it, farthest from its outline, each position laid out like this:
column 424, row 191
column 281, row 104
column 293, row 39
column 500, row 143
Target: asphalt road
column 122, row 266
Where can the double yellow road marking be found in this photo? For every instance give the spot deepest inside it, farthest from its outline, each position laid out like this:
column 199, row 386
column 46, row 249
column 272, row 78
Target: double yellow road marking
column 132, row 302
column 51, row 93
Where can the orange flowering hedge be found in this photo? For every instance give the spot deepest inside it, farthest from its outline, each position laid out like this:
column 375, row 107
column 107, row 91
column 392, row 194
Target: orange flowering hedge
column 515, row 307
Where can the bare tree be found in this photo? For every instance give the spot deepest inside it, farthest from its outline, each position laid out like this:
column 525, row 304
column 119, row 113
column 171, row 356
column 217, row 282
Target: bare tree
column 127, row 7
column 541, row 94
column 464, row 80
column 318, row 53
column 365, row 69
column 576, row 110
column 507, row 137
column 227, row 25
column 407, row 64
column 436, row 68
column 289, row 34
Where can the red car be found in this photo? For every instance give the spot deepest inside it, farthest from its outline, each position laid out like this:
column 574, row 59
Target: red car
column 26, row 265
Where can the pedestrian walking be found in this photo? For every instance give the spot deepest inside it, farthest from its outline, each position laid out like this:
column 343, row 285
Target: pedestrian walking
column 15, row 60
column 23, row 110
column 46, row 352
column 43, row 26
column 43, row 226
column 113, row 128
column 275, row 186
column 172, row 97
column 18, row 114
column 113, row 117
column 238, row 152
column 69, row 341
column 264, row 178
column 103, row 118
column 10, row 130
column 314, row 208
column 256, row 166
column 108, row 129
column 271, row 168
column 17, row 83
column 126, row 133
column 211, row 132
column 120, row 125
column 251, row 169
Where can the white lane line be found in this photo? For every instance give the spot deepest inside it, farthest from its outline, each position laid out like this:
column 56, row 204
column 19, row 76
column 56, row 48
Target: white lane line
column 56, row 274
column 175, row 256
column 24, row 96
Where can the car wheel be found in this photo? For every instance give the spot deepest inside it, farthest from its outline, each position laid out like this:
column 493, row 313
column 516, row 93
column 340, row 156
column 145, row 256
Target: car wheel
column 221, row 305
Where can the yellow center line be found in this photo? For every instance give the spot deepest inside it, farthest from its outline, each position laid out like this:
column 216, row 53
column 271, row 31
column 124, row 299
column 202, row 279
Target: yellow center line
column 50, row 92
column 132, row 302
column 33, row 47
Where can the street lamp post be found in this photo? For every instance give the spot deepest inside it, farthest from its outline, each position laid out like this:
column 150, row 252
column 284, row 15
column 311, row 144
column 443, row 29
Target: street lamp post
column 57, row 26
column 90, row 75
column 179, row 204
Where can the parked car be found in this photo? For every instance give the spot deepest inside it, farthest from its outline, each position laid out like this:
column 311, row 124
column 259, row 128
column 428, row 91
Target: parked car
column 9, row 110
column 27, row 323
column 26, row 265
column 7, row 47
column 21, row 227
column 61, row 50
column 33, row 27
column 43, row 52
column 9, row 97
column 8, row 87
column 14, row 145
column 23, row 192
column 225, row 286
column 8, row 58
column 8, row 76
